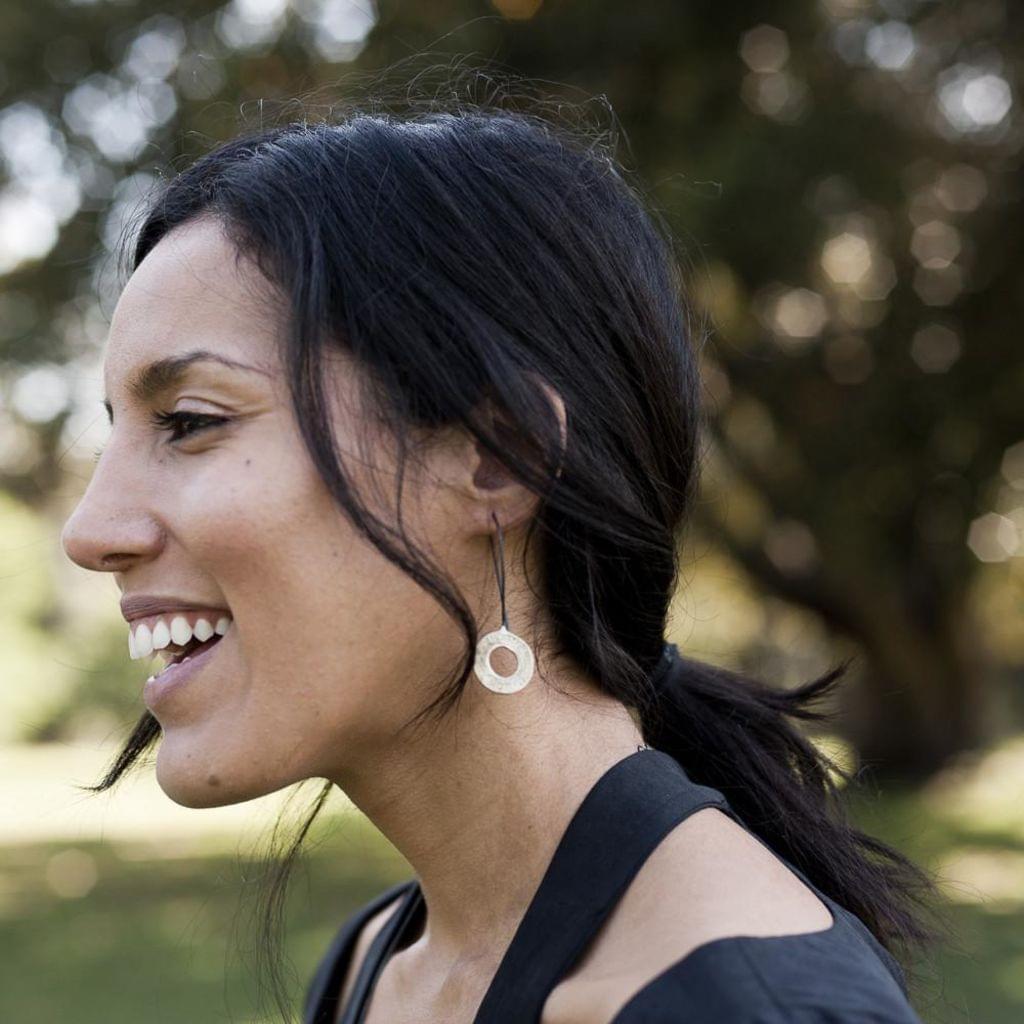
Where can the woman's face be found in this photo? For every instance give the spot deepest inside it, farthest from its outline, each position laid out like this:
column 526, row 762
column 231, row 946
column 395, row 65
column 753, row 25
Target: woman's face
column 330, row 646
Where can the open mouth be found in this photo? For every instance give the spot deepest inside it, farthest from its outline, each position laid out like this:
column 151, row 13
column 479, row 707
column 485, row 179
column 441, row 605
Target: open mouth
column 181, row 663
column 192, row 647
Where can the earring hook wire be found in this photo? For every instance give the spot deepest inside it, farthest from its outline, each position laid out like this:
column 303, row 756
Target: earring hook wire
column 499, row 568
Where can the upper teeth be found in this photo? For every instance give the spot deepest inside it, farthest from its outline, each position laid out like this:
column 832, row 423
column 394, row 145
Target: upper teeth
column 142, row 641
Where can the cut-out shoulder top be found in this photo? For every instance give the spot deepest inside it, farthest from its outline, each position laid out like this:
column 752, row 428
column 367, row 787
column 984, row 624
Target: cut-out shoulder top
column 839, row 975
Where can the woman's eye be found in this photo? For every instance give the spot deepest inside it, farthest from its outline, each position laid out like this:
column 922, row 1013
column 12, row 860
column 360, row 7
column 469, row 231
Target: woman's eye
column 184, row 424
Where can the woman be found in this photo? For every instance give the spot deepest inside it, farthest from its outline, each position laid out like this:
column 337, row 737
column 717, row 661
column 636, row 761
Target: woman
column 405, row 427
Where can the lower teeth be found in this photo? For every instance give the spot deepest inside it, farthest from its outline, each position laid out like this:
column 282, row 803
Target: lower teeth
column 156, row 675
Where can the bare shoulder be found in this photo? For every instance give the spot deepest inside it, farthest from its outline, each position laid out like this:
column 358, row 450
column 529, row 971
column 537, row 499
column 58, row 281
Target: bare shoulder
column 366, row 935
column 707, row 879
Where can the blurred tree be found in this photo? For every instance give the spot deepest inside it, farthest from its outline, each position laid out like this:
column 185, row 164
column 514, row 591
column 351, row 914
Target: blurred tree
column 845, row 171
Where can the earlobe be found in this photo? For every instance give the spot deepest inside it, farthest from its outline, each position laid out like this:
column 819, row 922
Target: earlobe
column 496, row 490
column 491, row 475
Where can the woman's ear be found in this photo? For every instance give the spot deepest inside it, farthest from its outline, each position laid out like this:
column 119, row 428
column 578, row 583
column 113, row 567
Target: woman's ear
column 491, row 475
column 491, row 472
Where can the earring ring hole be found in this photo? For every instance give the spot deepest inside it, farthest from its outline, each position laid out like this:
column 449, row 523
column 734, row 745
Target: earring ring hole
column 495, row 682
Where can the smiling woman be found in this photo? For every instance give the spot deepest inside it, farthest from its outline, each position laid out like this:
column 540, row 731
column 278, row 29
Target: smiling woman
column 407, row 413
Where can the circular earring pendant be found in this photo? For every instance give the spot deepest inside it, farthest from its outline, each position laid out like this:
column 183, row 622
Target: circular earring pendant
column 503, row 637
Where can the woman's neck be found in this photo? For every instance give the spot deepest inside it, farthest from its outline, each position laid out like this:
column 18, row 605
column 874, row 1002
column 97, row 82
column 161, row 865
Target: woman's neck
column 478, row 808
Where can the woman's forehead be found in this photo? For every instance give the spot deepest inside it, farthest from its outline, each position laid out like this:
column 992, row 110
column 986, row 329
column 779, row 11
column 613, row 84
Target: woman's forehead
column 190, row 292
column 195, row 263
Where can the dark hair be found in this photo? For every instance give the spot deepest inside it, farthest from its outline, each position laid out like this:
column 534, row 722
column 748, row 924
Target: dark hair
column 461, row 251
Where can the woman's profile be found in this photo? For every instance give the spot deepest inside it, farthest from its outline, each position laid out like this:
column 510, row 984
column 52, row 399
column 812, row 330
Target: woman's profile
column 405, row 426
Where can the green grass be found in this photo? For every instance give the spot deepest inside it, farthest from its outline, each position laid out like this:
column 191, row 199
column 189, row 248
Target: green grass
column 978, row 976
column 158, row 940
column 115, row 932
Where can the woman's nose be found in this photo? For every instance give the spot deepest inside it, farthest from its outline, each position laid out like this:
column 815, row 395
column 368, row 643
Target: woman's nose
column 109, row 528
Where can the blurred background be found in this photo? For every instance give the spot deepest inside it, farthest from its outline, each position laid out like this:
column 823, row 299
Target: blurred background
column 843, row 179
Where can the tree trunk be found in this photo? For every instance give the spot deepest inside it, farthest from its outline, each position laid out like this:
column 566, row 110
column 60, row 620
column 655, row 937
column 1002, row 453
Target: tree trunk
column 923, row 693
column 922, row 696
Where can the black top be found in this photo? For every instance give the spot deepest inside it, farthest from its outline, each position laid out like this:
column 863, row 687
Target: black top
column 839, row 975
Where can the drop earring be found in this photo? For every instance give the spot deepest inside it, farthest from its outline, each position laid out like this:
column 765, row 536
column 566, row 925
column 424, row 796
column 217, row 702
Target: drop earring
column 502, row 637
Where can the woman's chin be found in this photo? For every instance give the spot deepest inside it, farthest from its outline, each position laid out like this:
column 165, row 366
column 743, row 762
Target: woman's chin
column 190, row 782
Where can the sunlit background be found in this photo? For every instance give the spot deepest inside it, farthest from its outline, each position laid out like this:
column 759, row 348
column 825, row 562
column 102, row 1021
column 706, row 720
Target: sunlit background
column 843, row 179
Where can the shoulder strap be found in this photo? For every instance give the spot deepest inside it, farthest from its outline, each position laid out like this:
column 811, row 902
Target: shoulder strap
column 627, row 813
column 376, row 956
column 321, row 1003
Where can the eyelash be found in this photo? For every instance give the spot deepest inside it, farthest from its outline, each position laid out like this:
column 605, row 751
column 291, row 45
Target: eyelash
column 174, row 420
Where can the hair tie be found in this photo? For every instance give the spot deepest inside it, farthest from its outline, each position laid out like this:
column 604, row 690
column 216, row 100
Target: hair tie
column 660, row 671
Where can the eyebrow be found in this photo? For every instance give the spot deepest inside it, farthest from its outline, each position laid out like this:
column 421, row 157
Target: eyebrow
column 163, row 374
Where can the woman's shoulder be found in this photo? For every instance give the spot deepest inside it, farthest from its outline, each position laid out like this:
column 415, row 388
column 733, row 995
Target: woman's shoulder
column 716, row 926
column 331, row 971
